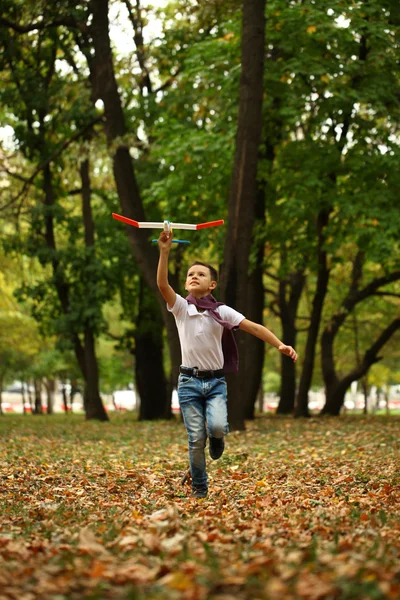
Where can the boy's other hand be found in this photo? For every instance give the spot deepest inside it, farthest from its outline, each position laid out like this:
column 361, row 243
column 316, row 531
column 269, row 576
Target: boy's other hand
column 288, row 351
column 165, row 240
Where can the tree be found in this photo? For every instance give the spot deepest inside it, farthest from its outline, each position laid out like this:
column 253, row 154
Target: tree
column 243, row 192
column 37, row 138
column 336, row 387
column 331, row 100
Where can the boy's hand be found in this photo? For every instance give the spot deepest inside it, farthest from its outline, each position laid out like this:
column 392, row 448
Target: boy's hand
column 288, row 351
column 165, row 240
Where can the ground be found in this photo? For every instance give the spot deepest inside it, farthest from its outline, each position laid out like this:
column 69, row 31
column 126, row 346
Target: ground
column 297, row 509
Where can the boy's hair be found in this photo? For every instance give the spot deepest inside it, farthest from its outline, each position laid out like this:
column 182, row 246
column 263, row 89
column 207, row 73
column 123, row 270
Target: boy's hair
column 213, row 272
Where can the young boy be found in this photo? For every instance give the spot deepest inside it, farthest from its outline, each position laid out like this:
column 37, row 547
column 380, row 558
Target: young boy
column 204, row 327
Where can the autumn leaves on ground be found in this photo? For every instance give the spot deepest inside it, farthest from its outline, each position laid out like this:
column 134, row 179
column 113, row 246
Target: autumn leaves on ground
column 297, row 509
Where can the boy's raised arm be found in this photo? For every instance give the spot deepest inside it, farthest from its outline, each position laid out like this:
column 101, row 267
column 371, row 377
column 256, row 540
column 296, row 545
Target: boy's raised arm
column 164, row 243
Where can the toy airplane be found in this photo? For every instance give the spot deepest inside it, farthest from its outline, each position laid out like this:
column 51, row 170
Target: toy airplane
column 167, row 225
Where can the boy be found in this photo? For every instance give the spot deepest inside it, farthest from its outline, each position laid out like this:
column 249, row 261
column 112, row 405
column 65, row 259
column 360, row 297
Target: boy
column 207, row 344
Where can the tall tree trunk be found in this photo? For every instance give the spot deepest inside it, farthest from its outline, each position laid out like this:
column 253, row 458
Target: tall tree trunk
column 288, row 312
column 150, row 377
column 38, row 410
column 23, row 399
column 85, row 354
column 104, row 86
column 31, row 394
column 301, row 409
column 94, row 408
column 242, row 195
column 64, row 398
column 50, row 386
column 254, row 348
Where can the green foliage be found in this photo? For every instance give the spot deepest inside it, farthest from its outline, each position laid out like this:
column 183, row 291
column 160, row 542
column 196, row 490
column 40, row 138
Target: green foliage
column 330, row 117
column 331, row 110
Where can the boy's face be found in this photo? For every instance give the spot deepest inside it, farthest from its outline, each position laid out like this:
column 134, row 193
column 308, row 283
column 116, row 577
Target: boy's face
column 198, row 281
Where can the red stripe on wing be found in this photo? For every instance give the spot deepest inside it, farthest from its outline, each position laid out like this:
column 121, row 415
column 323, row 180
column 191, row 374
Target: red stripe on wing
column 125, row 220
column 209, row 224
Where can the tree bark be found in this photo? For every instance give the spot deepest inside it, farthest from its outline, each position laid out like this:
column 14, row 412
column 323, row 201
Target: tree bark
column 94, row 408
column 38, row 410
column 254, row 348
column 301, row 409
column 242, row 196
column 104, row 86
column 50, row 387
column 64, row 398
column 150, row 376
column 288, row 312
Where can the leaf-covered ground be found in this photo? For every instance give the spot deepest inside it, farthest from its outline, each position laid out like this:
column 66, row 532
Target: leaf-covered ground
column 297, row 509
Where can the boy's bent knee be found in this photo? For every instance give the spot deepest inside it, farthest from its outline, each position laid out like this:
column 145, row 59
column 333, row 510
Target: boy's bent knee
column 217, row 431
column 197, row 441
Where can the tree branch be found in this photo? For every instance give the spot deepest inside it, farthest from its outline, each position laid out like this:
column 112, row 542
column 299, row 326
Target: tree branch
column 15, row 175
column 137, row 24
column 52, row 157
column 274, row 277
column 169, row 81
column 386, row 294
column 371, row 355
column 40, row 25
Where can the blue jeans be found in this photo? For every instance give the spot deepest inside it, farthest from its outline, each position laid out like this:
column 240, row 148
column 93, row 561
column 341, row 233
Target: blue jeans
column 204, row 412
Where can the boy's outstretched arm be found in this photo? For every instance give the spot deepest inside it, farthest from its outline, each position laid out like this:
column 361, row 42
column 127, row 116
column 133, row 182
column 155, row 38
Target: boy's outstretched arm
column 267, row 336
column 165, row 243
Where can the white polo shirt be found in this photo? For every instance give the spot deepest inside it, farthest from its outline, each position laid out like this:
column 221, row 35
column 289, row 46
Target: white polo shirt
column 200, row 335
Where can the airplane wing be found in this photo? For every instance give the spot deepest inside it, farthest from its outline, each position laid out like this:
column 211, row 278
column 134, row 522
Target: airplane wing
column 166, row 224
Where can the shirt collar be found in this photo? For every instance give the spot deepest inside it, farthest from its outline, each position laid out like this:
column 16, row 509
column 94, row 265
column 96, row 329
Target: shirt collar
column 192, row 310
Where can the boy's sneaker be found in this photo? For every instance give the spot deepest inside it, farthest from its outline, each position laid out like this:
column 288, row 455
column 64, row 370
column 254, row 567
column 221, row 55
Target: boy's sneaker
column 216, row 448
column 198, row 493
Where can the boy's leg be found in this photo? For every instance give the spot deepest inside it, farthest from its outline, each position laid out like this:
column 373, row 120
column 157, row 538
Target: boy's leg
column 193, row 412
column 217, row 416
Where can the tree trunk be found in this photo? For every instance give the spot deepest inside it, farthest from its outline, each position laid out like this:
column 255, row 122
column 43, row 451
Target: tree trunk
column 85, row 354
column 94, row 408
column 38, row 397
column 155, row 402
column 64, row 398
column 301, row 409
column 23, row 399
column 242, row 199
column 287, row 391
column 104, row 86
column 50, row 389
column 254, row 348
column 288, row 312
